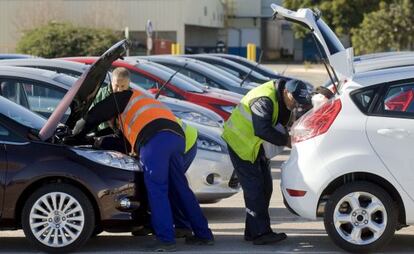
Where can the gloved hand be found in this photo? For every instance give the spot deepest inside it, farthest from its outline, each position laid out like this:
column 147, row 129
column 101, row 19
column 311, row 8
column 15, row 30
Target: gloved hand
column 80, row 124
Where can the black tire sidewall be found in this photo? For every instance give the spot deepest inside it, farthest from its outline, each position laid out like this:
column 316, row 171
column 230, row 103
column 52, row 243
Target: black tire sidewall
column 381, row 194
column 83, row 200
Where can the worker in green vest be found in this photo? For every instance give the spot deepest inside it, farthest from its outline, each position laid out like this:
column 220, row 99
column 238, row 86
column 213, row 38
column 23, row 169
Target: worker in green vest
column 252, row 123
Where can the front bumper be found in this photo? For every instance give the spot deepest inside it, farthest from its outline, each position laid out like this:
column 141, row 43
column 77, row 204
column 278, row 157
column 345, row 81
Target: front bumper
column 209, row 176
column 121, row 201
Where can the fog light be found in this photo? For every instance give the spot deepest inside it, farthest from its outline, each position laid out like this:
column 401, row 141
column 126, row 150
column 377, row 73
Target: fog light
column 125, row 203
column 210, row 179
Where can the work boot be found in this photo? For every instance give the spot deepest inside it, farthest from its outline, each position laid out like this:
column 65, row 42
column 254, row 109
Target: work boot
column 183, row 232
column 269, row 238
column 194, row 240
column 159, row 246
column 142, row 231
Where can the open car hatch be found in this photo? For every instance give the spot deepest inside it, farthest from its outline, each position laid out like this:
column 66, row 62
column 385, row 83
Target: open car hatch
column 338, row 58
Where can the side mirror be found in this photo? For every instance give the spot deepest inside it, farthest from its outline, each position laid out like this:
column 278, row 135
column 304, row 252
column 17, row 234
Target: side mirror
column 153, row 90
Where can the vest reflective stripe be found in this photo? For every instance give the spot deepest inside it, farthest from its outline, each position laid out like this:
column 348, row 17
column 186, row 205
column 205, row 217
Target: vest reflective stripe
column 140, row 111
column 238, row 129
column 190, row 135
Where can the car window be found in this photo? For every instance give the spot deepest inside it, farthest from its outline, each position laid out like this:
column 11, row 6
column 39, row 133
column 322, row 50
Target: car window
column 363, row 99
column 143, row 82
column 13, row 91
column 191, row 74
column 38, row 97
column 233, row 72
column 6, row 135
column 20, row 114
column 399, row 99
column 214, row 84
column 41, row 98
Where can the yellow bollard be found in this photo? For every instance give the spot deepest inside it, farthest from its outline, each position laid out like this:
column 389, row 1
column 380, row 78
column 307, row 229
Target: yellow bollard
column 248, row 51
column 178, row 49
column 173, row 52
column 253, row 54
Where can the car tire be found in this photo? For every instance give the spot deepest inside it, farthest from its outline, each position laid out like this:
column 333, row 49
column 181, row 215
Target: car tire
column 58, row 218
column 360, row 217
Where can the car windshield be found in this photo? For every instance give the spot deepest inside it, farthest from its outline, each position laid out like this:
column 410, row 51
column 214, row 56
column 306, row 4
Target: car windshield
column 178, row 75
column 332, row 41
column 215, row 70
column 176, row 81
column 20, row 114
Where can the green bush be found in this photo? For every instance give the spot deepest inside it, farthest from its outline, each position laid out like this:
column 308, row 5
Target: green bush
column 64, row 40
column 389, row 28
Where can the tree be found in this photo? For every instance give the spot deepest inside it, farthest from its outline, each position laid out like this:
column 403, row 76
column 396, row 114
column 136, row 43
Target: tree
column 389, row 28
column 64, row 39
column 342, row 15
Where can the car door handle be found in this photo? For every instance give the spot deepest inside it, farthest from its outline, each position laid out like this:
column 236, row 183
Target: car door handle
column 394, row 132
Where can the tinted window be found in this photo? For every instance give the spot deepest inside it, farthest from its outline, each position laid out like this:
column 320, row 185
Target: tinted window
column 332, row 41
column 399, row 99
column 21, row 114
column 6, row 135
column 41, row 98
column 143, row 81
column 363, row 99
column 176, row 81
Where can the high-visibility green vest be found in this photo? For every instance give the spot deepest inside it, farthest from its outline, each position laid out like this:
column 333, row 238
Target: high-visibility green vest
column 190, row 133
column 238, row 129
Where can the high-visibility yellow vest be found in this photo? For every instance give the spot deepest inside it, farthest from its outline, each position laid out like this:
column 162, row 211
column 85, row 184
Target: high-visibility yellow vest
column 238, row 129
column 190, row 134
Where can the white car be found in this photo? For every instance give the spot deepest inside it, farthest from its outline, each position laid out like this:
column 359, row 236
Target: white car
column 351, row 161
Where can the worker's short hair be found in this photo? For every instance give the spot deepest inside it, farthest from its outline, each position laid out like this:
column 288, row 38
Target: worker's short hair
column 121, row 72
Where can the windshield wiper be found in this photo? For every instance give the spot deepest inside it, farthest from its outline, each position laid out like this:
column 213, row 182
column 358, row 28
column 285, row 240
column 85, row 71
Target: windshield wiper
column 168, row 81
column 254, row 67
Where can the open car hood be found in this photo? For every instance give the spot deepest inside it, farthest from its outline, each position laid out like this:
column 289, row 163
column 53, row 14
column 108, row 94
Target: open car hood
column 81, row 95
column 339, row 58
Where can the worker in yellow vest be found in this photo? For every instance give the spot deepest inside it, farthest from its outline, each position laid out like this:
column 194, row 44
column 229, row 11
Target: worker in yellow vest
column 252, row 123
column 166, row 148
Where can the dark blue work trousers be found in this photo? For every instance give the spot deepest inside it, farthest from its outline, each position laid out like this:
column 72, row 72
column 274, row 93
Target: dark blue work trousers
column 164, row 166
column 256, row 182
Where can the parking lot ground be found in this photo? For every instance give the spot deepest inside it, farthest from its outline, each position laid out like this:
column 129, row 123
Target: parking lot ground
column 313, row 73
column 226, row 219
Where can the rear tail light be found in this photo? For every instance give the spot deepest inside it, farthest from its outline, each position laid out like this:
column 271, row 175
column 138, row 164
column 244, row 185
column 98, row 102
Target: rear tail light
column 296, row 193
column 316, row 122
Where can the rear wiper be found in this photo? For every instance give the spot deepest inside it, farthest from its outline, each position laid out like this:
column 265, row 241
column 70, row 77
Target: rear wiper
column 254, row 67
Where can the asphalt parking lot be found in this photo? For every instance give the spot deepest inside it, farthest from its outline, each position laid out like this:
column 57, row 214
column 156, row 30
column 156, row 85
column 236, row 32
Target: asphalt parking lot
column 226, row 219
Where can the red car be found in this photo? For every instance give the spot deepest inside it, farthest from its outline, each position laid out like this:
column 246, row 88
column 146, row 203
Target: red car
column 151, row 78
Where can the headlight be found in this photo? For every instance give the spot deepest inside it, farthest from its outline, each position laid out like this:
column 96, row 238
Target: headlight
column 228, row 109
column 110, row 158
column 208, row 144
column 196, row 118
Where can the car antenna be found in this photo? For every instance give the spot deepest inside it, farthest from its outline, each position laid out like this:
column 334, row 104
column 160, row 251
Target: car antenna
column 254, row 67
column 169, row 79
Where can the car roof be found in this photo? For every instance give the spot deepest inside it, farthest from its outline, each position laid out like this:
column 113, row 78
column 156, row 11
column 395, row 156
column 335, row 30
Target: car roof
column 385, row 75
column 41, row 75
column 384, row 62
column 58, row 63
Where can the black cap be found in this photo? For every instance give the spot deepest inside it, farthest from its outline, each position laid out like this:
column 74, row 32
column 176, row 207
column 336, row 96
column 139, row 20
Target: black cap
column 300, row 90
